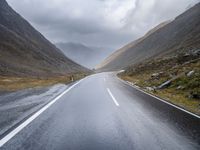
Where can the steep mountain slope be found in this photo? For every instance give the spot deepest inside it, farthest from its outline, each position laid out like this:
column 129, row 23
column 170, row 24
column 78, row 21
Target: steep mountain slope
column 181, row 34
column 25, row 52
column 83, row 54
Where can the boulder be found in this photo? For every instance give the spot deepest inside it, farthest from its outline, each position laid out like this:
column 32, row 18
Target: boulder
column 155, row 75
column 189, row 74
column 180, row 87
column 151, row 89
column 194, row 95
column 165, row 84
column 196, row 52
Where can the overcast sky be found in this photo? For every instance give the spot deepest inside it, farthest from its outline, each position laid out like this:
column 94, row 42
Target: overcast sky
column 105, row 23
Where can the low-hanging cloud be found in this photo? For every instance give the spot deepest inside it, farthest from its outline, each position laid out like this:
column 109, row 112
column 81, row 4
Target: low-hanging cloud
column 105, row 23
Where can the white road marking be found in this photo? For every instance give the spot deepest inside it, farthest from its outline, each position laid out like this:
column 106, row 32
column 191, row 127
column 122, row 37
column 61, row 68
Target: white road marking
column 10, row 135
column 113, row 98
column 164, row 101
column 104, row 79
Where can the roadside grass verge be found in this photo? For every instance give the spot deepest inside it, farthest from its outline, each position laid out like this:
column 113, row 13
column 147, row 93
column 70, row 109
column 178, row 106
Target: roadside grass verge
column 183, row 90
column 19, row 83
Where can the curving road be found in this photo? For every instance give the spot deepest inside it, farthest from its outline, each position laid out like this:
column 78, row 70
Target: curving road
column 103, row 113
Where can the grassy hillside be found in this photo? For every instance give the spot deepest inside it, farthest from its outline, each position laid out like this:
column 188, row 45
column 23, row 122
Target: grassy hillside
column 176, row 79
column 180, row 35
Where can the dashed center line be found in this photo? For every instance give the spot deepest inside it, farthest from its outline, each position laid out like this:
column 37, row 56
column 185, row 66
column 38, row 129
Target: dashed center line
column 113, row 98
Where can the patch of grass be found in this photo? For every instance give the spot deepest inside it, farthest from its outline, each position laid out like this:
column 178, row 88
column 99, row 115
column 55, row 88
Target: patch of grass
column 19, row 83
column 183, row 91
column 180, row 98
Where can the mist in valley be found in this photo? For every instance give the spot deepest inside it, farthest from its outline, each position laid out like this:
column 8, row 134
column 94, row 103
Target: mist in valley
column 88, row 56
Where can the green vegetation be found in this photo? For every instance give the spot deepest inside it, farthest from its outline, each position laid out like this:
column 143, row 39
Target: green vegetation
column 180, row 73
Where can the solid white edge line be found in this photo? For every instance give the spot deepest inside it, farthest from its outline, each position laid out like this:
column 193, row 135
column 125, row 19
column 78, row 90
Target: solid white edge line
column 164, row 101
column 10, row 135
column 113, row 98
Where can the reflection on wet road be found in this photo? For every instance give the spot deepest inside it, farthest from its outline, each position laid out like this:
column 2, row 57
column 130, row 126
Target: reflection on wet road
column 103, row 113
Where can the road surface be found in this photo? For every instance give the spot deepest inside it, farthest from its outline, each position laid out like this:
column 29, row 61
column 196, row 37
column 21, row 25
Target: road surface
column 18, row 105
column 103, row 113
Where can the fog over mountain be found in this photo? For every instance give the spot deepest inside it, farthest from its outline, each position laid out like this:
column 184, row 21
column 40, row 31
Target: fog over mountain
column 98, row 23
column 85, row 55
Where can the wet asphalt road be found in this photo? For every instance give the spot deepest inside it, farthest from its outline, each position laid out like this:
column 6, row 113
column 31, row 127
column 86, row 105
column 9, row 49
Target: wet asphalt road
column 103, row 113
column 17, row 106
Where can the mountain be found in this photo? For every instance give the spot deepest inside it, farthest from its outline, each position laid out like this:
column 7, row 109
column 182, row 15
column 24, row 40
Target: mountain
column 26, row 52
column 85, row 55
column 181, row 34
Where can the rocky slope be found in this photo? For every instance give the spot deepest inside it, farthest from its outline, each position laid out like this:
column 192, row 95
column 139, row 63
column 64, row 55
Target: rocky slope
column 26, row 52
column 181, row 34
column 175, row 78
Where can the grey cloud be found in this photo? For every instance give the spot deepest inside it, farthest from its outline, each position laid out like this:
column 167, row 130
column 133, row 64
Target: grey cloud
column 146, row 15
column 109, row 23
